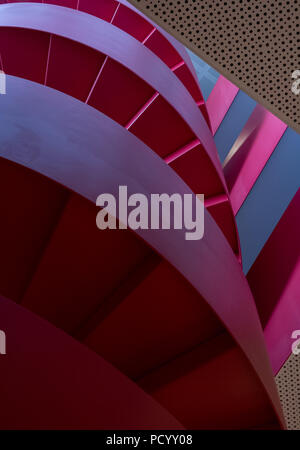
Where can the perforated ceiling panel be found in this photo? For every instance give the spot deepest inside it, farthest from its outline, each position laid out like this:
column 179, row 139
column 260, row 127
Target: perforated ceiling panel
column 288, row 383
column 254, row 43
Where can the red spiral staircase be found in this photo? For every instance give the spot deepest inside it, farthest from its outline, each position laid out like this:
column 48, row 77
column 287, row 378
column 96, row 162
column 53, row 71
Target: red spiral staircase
column 143, row 329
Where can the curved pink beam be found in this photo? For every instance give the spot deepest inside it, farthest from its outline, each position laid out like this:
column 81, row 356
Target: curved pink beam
column 117, row 45
column 96, row 155
column 274, row 279
column 64, row 385
column 250, row 154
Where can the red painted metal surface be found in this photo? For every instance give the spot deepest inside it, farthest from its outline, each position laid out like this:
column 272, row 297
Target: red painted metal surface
column 274, row 280
column 197, row 282
column 65, row 385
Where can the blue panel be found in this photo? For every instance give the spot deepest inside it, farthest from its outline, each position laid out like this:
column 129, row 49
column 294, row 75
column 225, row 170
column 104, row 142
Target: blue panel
column 233, row 123
column 207, row 76
column 269, row 197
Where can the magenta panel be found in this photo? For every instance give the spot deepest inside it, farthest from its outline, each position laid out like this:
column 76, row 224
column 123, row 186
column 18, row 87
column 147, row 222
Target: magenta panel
column 64, row 385
column 132, row 23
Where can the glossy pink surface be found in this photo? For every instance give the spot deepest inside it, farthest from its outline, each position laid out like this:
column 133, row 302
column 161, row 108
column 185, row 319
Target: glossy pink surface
column 120, row 77
column 250, row 153
column 219, row 101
